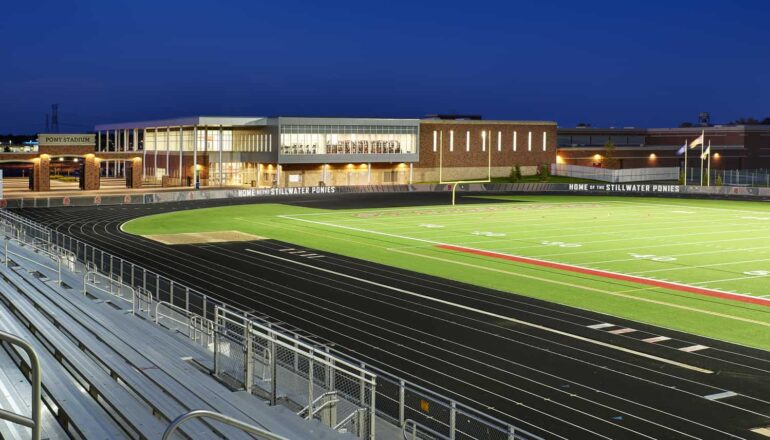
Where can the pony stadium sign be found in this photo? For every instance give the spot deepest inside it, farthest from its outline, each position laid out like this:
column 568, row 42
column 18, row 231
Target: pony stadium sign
column 66, row 139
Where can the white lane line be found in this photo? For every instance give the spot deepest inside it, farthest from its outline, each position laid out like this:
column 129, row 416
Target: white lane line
column 718, row 396
column 693, row 348
column 602, row 325
column 656, row 339
column 622, row 331
column 494, row 315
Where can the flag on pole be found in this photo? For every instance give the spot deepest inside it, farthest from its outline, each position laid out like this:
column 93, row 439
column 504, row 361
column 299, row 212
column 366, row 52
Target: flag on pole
column 697, row 141
column 706, row 153
column 681, row 150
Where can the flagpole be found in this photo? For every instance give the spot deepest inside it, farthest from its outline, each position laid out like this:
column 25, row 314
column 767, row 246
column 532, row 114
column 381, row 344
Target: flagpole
column 703, row 141
column 709, row 166
column 686, row 147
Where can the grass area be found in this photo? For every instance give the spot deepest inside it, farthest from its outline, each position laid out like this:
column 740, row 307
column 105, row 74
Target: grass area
column 712, row 244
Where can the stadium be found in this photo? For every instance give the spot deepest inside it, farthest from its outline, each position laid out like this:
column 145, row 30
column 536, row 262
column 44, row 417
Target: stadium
column 624, row 305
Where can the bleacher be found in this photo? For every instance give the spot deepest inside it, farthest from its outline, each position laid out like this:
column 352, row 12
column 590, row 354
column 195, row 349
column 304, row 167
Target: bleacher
column 110, row 374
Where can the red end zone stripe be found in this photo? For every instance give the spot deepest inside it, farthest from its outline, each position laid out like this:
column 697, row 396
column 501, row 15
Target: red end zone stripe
column 612, row 275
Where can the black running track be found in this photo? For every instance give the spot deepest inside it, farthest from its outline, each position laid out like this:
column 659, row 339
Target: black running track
column 546, row 381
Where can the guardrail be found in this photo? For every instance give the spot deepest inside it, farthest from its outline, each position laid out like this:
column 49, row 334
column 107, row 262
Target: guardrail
column 32, row 422
column 54, row 257
column 116, row 288
column 265, row 359
column 202, row 413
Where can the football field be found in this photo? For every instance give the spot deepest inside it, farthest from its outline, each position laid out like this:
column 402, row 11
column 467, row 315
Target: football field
column 700, row 266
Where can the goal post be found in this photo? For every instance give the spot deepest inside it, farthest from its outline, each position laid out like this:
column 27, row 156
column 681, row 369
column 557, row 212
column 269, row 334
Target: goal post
column 486, row 143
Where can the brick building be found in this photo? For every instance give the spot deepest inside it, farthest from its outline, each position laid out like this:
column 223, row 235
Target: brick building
column 733, row 147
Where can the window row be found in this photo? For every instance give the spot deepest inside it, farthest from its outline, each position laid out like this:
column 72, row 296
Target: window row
column 348, row 129
column 348, row 143
column 486, row 140
column 209, row 140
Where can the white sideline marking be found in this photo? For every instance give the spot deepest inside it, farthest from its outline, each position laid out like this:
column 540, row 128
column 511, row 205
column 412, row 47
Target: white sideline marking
column 494, row 315
column 622, row 331
column 602, row 325
column 718, row 396
column 423, row 240
column 693, row 348
column 656, row 339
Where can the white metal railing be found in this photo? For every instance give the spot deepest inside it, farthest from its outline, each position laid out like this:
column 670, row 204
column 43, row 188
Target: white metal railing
column 116, row 287
column 34, row 420
column 287, row 358
column 616, row 176
column 56, row 258
column 202, row 413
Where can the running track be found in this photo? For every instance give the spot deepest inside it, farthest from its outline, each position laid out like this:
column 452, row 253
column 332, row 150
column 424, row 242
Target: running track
column 575, row 382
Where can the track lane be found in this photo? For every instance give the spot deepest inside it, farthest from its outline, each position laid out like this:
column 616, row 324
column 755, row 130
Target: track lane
column 543, row 309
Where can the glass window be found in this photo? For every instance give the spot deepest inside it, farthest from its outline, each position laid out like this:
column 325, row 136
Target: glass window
column 451, row 140
column 514, row 140
column 468, row 140
column 348, row 139
column 529, row 141
column 544, row 141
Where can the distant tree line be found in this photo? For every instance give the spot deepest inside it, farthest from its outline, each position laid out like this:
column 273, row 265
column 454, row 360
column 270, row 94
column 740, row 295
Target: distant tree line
column 17, row 138
column 739, row 121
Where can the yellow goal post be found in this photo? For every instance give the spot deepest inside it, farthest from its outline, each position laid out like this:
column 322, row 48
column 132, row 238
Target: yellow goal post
column 486, row 143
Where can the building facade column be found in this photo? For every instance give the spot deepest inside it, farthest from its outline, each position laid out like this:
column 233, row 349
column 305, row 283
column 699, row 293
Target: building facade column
column 144, row 154
column 195, row 157
column 221, row 146
column 411, row 172
column 181, row 158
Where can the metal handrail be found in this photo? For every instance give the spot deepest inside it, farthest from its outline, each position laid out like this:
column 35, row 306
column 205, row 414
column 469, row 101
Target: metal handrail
column 202, row 413
column 52, row 256
column 257, row 322
column 316, row 409
column 415, row 425
column 348, row 418
column 192, row 318
column 112, row 282
column 32, row 422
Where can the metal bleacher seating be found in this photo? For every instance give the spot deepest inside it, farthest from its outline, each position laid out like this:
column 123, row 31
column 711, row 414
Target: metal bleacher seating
column 107, row 374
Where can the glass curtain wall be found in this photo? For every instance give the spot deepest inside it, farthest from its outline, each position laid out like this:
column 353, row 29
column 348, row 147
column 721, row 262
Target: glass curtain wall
column 348, row 139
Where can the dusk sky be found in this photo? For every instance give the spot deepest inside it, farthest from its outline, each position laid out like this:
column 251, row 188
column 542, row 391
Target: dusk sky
column 608, row 63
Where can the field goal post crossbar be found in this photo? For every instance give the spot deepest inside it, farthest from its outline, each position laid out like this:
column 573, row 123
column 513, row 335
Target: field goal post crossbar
column 487, row 141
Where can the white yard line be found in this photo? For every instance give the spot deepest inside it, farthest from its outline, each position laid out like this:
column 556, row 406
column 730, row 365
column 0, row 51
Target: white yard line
column 501, row 254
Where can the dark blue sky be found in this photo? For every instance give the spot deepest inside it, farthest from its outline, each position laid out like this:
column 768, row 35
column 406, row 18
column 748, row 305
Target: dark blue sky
column 652, row 63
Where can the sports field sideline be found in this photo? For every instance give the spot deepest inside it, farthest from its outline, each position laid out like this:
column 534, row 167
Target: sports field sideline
column 699, row 266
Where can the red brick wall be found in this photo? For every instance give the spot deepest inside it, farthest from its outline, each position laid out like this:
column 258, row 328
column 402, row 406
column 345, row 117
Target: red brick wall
column 506, row 157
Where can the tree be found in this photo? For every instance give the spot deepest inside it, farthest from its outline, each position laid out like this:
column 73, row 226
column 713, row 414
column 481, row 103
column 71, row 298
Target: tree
column 609, row 155
column 719, row 180
column 765, row 121
column 544, row 172
column 515, row 173
column 745, row 121
column 685, row 125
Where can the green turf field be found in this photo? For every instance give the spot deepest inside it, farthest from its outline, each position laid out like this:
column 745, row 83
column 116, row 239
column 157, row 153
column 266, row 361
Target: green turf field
column 720, row 245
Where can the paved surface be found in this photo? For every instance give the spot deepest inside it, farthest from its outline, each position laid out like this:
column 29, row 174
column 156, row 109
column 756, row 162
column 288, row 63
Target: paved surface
column 557, row 371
